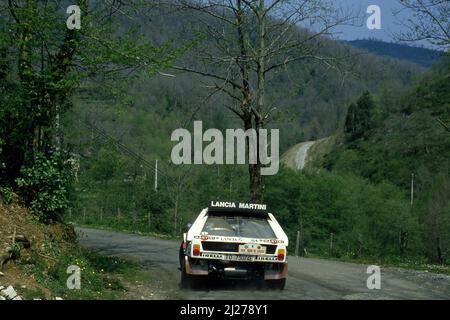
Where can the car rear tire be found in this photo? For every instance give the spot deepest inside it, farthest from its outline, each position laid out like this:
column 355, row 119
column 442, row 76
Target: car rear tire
column 187, row 281
column 276, row 284
column 181, row 256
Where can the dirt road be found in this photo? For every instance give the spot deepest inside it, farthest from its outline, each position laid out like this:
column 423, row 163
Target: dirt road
column 303, row 153
column 308, row 278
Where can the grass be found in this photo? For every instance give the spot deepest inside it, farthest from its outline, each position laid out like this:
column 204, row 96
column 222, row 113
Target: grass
column 99, row 273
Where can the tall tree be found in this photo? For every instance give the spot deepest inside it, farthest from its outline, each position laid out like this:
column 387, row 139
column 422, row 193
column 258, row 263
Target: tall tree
column 360, row 117
column 44, row 61
column 248, row 41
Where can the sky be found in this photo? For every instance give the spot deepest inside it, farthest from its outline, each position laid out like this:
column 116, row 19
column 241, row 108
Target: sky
column 389, row 24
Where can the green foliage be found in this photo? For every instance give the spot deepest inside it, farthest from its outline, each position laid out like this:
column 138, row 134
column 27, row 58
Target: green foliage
column 360, row 118
column 98, row 272
column 435, row 217
column 37, row 85
column 410, row 140
column 106, row 166
column 45, row 186
column 365, row 220
column 6, row 195
column 15, row 251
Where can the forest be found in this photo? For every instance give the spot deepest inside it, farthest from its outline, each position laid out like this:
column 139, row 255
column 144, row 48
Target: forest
column 86, row 119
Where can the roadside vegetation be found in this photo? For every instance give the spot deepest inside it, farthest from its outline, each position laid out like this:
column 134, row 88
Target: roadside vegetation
column 36, row 262
column 88, row 142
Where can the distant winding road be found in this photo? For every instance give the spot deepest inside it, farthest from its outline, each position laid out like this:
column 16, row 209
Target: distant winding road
column 303, row 153
column 308, row 278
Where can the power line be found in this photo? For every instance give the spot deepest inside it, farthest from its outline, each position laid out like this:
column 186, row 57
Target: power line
column 128, row 151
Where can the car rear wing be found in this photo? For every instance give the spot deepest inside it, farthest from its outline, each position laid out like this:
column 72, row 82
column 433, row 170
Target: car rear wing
column 238, row 208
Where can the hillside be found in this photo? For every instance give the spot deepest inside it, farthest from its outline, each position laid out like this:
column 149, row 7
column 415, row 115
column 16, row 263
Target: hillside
column 406, row 137
column 15, row 219
column 34, row 259
column 310, row 98
column 130, row 132
column 421, row 56
column 118, row 138
column 404, row 143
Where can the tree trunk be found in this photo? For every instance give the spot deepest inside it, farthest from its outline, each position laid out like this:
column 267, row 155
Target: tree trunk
column 439, row 250
column 175, row 215
column 256, row 181
column 254, row 170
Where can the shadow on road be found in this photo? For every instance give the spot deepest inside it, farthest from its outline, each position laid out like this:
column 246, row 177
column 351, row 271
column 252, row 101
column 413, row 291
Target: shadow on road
column 228, row 285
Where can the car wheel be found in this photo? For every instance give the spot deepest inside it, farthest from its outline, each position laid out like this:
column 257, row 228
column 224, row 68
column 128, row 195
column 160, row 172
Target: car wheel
column 181, row 256
column 276, row 284
column 186, row 280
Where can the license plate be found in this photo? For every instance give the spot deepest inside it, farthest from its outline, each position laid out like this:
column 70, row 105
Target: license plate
column 239, row 258
column 252, row 248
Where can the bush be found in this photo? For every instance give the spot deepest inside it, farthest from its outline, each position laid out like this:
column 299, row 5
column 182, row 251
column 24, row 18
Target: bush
column 6, row 195
column 45, row 186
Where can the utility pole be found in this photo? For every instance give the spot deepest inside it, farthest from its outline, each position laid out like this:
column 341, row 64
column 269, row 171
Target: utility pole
column 297, row 244
column 149, row 219
column 156, row 175
column 412, row 188
column 331, row 241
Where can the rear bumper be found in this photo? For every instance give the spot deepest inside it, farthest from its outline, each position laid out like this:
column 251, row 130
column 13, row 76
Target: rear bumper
column 214, row 268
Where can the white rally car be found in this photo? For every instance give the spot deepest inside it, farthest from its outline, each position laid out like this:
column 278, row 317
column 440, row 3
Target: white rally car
column 233, row 240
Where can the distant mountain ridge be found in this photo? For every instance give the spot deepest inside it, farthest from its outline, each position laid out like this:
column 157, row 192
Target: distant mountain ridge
column 421, row 56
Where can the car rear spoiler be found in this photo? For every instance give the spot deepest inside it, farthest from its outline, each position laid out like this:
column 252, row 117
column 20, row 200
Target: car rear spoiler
column 238, row 212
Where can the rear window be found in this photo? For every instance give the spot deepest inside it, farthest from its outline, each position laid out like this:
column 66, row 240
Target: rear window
column 238, row 226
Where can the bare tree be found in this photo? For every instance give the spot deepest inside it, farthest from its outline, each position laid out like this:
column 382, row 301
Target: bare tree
column 177, row 187
column 430, row 22
column 247, row 41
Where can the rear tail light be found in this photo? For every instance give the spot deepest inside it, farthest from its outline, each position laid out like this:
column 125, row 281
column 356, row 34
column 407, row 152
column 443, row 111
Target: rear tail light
column 281, row 254
column 196, row 250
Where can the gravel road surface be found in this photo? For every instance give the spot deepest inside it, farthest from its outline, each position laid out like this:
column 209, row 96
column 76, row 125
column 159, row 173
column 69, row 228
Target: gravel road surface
column 308, row 278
